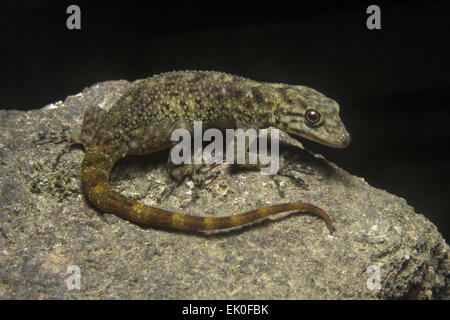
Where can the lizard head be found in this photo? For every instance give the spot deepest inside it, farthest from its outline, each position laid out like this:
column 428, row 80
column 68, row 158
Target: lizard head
column 308, row 114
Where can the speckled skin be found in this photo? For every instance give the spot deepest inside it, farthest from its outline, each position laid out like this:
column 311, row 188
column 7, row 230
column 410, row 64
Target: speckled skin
column 142, row 120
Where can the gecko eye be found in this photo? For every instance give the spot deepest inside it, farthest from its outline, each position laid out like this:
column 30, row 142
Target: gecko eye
column 312, row 117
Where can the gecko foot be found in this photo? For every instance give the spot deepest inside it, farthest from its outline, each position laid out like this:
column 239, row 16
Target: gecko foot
column 294, row 171
column 199, row 174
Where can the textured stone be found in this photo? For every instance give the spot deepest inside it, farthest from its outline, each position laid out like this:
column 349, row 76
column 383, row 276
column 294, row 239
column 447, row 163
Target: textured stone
column 46, row 225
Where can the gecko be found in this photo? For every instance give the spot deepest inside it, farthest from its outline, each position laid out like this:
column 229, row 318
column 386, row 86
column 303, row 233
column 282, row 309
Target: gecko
column 143, row 118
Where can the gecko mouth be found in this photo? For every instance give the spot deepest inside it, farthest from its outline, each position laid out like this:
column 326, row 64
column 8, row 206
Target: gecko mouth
column 342, row 142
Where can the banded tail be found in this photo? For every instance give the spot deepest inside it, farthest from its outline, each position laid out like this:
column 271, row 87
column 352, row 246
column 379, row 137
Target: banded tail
column 95, row 172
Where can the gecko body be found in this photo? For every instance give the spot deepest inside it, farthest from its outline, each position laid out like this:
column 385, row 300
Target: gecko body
column 142, row 120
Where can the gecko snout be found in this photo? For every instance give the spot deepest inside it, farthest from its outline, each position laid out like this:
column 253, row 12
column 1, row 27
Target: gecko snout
column 344, row 140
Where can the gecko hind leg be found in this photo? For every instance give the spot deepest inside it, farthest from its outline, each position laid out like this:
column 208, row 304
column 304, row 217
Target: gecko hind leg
column 199, row 174
column 202, row 172
column 155, row 137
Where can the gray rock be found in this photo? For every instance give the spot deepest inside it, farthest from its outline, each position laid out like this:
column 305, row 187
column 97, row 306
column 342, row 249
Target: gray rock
column 46, row 225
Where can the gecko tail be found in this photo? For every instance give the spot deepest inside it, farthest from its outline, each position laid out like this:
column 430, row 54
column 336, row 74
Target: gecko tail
column 108, row 200
column 95, row 182
column 298, row 206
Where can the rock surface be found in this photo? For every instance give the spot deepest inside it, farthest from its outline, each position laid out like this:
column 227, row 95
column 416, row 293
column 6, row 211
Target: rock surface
column 382, row 249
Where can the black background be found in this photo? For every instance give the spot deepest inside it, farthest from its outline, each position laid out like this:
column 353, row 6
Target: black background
column 392, row 84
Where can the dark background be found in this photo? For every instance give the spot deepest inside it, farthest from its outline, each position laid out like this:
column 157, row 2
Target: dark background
column 392, row 84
